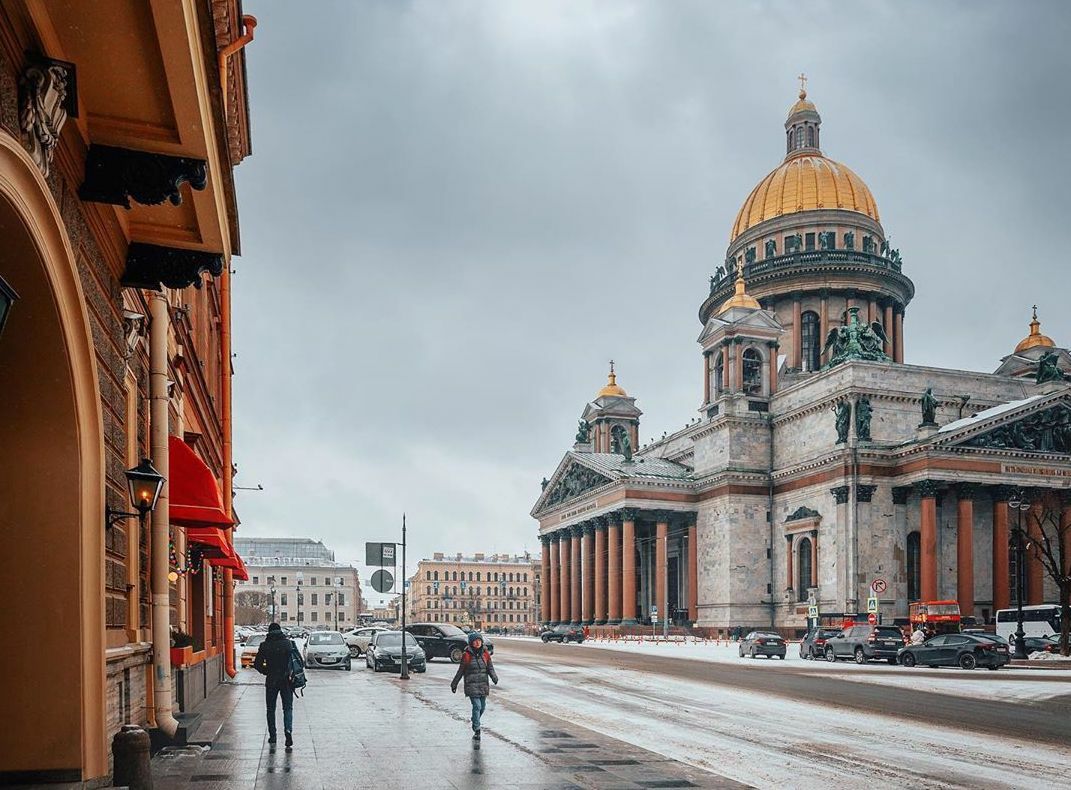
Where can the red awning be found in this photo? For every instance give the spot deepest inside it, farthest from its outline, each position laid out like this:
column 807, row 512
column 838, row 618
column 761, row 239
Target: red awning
column 194, row 495
column 236, row 565
column 211, row 541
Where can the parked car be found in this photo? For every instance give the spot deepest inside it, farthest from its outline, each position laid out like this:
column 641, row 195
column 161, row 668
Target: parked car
column 866, row 643
column 358, row 639
column 327, row 649
column 964, row 650
column 1041, row 644
column 763, row 643
column 813, row 644
column 563, row 633
column 442, row 640
column 385, row 652
column 249, row 649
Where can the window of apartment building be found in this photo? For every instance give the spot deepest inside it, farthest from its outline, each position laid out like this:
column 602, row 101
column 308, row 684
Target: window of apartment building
column 301, row 617
column 256, row 580
column 525, row 591
column 284, row 599
column 300, row 599
column 327, row 599
column 525, row 577
column 477, row 575
column 312, row 581
column 429, row 590
column 314, row 599
column 436, row 576
column 342, row 599
column 284, row 617
column 314, row 616
column 284, row 580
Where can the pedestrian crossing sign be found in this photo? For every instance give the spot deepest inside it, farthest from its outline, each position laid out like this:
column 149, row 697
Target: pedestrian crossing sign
column 812, row 612
column 872, row 605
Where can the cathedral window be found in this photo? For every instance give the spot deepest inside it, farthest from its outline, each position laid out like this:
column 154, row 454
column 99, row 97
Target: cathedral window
column 808, row 241
column 811, row 355
column 799, row 137
column 788, row 141
column 752, row 372
column 810, row 136
column 914, row 566
column 806, row 572
column 719, row 374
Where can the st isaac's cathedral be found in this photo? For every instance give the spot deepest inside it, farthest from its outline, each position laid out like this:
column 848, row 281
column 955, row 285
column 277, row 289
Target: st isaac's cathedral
column 821, row 466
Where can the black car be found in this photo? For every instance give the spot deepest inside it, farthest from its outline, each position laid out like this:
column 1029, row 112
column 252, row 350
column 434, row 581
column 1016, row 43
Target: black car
column 385, row 653
column 442, row 640
column 763, row 643
column 813, row 644
column 963, row 650
column 563, row 633
column 865, row 643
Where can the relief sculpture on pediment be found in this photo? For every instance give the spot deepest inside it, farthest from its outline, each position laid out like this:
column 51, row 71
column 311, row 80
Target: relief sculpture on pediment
column 576, row 480
column 1048, row 431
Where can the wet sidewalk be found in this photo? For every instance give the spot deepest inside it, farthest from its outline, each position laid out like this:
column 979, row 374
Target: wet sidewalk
column 364, row 729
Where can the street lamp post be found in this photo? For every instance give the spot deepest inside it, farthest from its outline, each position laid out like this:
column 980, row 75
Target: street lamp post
column 338, row 590
column 144, row 484
column 1019, row 503
column 300, row 579
column 271, row 590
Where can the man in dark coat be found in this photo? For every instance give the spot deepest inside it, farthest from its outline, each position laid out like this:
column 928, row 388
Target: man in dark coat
column 273, row 661
column 475, row 668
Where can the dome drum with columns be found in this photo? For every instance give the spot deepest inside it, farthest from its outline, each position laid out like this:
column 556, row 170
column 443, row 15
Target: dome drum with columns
column 809, row 241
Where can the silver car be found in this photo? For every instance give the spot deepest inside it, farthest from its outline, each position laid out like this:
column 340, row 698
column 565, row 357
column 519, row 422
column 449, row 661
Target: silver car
column 327, row 649
column 359, row 638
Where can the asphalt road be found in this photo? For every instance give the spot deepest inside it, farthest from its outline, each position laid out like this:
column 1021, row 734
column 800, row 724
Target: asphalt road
column 1047, row 721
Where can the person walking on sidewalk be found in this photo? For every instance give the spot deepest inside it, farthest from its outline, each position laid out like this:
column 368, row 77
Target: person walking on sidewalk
column 273, row 661
column 475, row 668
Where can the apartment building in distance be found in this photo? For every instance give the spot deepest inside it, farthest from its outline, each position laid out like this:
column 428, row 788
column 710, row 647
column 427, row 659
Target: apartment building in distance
column 304, row 584
column 485, row 591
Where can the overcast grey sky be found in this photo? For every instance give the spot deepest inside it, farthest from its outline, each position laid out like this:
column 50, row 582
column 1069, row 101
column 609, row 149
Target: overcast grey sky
column 457, row 212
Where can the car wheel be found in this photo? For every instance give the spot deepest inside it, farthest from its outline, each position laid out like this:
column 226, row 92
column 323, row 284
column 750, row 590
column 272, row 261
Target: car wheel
column 566, row 639
column 782, row 656
column 752, row 652
column 993, row 669
column 860, row 656
column 968, row 661
column 455, row 654
column 349, row 666
column 892, row 660
column 422, row 669
column 741, row 652
column 830, row 655
column 803, row 655
column 355, row 652
column 545, row 639
column 908, row 660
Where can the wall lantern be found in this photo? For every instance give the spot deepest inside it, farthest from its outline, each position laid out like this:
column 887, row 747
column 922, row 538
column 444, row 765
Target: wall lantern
column 8, row 297
column 144, row 484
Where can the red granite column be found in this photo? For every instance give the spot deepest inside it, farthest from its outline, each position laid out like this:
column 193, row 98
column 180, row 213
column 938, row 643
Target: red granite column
column 1035, row 571
column 928, row 539
column 797, row 333
column 613, row 570
column 898, row 336
column 707, row 395
column 563, row 588
column 575, row 570
column 661, row 561
column 788, row 561
column 693, row 572
column 544, row 590
column 888, row 327
column 588, row 580
column 773, row 367
column 600, row 571
column 823, row 324
column 814, row 559
column 554, row 580
column 1001, row 538
column 628, row 567
column 965, row 548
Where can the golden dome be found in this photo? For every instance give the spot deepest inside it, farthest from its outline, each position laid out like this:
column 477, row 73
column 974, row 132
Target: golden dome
column 611, row 387
column 803, row 105
column 741, row 298
column 1035, row 338
column 805, row 182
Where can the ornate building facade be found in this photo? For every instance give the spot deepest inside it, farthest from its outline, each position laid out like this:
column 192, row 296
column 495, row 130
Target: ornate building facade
column 481, row 591
column 820, row 461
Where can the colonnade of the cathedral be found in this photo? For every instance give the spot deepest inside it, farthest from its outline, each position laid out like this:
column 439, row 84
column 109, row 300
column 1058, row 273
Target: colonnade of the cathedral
column 1005, row 523
column 594, row 571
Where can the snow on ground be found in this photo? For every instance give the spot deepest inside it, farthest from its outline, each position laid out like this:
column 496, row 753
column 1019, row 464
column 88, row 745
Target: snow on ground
column 769, row 741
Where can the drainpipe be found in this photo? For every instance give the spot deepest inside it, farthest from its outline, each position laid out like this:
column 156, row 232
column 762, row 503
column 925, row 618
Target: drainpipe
column 161, row 516
column 249, row 22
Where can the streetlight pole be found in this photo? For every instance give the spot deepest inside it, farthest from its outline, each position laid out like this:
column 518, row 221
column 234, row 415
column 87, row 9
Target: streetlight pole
column 1019, row 503
column 338, row 588
column 300, row 579
column 271, row 589
column 405, row 660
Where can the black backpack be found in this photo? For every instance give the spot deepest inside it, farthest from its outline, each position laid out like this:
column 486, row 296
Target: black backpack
column 296, row 675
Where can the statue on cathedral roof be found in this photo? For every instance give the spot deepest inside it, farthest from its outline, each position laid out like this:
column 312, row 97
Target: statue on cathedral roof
column 842, row 411
column 856, row 340
column 929, row 408
column 583, row 431
column 620, row 443
column 1048, row 368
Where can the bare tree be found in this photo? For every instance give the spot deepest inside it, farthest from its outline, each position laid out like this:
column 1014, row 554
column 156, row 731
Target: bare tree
column 1050, row 543
column 251, row 607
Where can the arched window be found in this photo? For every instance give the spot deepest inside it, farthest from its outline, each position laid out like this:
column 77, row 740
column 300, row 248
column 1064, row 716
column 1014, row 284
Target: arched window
column 810, row 136
column 436, row 576
column 799, row 137
column 914, row 566
column 788, row 141
column 455, row 576
column 719, row 374
column 806, row 572
column 812, row 346
column 752, row 372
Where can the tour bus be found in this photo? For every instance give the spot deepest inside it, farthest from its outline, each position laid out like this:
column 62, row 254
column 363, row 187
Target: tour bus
column 1039, row 620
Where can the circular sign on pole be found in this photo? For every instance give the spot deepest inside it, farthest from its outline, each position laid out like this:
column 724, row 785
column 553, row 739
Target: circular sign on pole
column 872, row 618
column 382, row 581
column 879, row 586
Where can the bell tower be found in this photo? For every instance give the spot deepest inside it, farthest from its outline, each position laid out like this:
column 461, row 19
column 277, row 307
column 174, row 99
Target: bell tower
column 611, row 408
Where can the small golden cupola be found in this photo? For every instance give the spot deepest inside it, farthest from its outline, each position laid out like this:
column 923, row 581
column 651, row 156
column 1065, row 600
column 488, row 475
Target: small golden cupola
column 741, row 298
column 1035, row 338
column 612, row 389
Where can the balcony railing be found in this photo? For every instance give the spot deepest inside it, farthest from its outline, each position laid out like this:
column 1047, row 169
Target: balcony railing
column 724, row 278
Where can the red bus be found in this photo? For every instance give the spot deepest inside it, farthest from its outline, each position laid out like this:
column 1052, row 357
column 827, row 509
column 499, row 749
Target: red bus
column 941, row 617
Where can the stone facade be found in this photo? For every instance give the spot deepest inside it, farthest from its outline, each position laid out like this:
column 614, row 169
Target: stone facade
column 481, row 591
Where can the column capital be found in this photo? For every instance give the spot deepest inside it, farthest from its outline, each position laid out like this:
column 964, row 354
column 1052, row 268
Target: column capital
column 629, row 513
column 553, row 537
column 576, row 530
column 600, row 523
column 965, row 490
column 865, row 493
column 928, row 489
column 840, row 494
column 545, row 540
column 588, row 527
column 614, row 519
column 1002, row 493
column 663, row 516
column 900, row 494
column 789, row 537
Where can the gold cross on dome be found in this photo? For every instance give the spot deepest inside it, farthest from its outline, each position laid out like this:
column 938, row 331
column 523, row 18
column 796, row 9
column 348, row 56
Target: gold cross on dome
column 611, row 366
column 1035, row 312
column 803, row 82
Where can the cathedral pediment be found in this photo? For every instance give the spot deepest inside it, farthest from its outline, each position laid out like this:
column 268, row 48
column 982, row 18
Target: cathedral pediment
column 1039, row 424
column 571, row 480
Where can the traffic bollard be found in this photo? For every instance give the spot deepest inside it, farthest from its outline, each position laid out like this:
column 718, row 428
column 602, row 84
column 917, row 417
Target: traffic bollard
column 130, row 758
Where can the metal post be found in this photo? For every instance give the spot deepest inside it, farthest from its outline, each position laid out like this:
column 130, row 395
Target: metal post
column 1020, row 503
column 405, row 661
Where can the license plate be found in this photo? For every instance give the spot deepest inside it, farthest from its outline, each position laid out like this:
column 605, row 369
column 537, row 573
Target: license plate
column 1002, row 650
column 329, row 660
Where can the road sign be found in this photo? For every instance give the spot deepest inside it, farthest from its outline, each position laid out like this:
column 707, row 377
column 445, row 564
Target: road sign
column 379, row 554
column 872, row 604
column 872, row 618
column 812, row 612
column 388, row 552
column 879, row 586
column 382, row 581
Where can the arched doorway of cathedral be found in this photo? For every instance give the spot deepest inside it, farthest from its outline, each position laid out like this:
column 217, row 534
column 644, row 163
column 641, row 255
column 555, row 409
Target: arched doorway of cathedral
column 51, row 494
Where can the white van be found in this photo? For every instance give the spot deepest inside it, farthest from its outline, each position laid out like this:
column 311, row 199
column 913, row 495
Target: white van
column 1039, row 620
